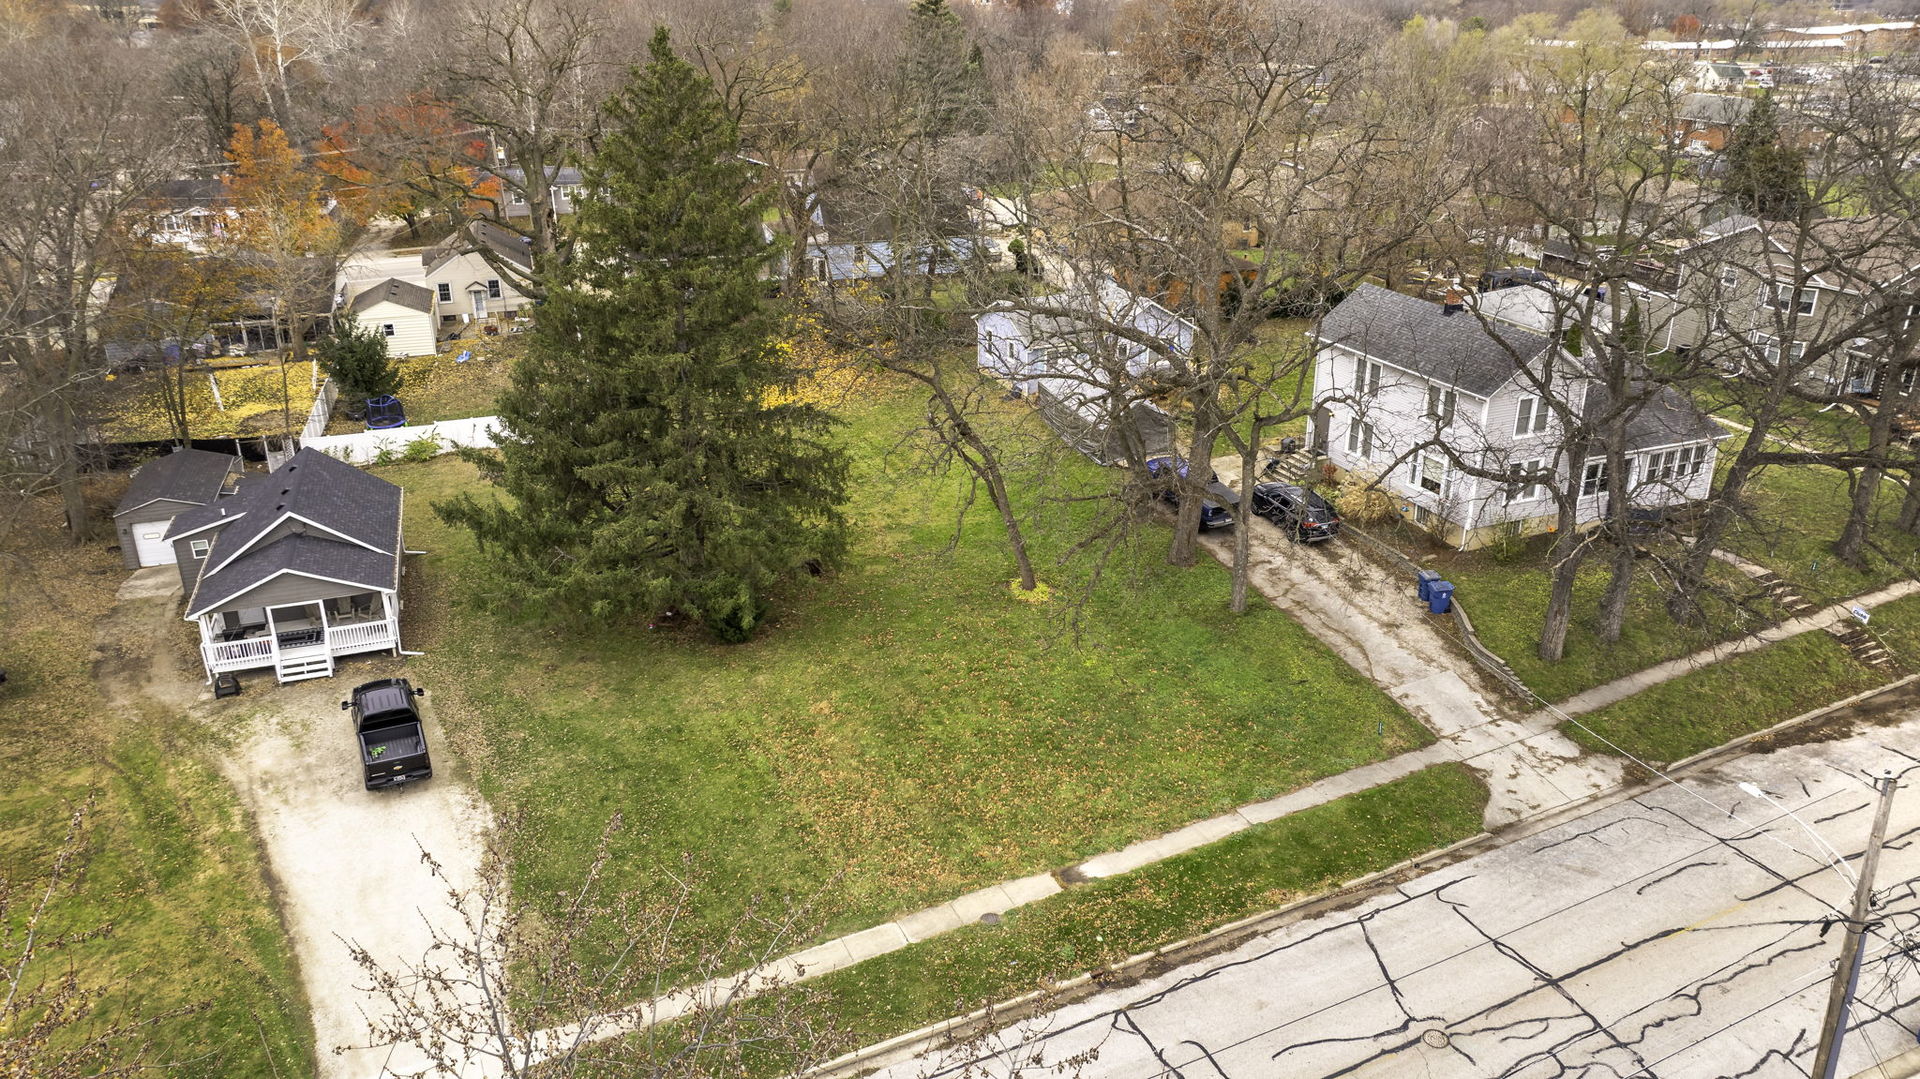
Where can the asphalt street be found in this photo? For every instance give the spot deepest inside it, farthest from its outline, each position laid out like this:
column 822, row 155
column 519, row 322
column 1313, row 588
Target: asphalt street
column 1687, row 932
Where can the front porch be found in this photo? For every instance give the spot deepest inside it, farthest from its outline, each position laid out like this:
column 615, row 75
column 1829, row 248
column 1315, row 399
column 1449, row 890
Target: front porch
column 298, row 640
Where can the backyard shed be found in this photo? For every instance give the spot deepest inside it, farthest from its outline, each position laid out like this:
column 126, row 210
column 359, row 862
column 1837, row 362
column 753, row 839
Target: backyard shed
column 400, row 311
column 162, row 489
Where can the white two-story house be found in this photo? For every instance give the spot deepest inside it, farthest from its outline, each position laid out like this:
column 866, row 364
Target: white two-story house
column 1399, row 381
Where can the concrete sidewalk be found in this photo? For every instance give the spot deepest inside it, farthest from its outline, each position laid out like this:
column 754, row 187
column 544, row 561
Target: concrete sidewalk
column 1600, row 696
column 1529, row 766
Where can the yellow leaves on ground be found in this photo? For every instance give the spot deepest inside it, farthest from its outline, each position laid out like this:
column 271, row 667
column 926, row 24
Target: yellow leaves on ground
column 252, row 398
column 827, row 376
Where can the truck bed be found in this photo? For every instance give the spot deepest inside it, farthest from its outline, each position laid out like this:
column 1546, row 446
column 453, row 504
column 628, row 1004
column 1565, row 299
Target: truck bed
column 392, row 743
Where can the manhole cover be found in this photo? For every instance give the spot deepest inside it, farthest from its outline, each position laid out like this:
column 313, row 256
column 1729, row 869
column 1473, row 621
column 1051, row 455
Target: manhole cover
column 1436, row 1038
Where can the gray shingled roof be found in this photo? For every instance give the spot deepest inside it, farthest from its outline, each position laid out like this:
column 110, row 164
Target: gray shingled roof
column 508, row 245
column 393, row 290
column 335, row 497
column 1412, row 334
column 310, row 555
column 187, row 476
column 1722, row 109
column 219, row 509
column 1668, row 418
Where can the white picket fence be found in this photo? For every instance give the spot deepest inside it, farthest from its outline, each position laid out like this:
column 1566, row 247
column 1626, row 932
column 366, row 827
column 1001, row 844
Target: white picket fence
column 321, row 410
column 396, row 443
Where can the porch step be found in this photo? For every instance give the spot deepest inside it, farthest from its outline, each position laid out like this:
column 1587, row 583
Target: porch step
column 295, row 668
column 1291, row 468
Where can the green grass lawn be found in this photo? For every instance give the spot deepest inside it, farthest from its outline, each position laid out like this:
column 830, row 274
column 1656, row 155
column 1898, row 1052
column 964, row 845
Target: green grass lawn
column 171, row 865
column 437, row 387
column 1105, row 921
column 1799, row 511
column 1507, row 599
column 1716, row 704
column 903, row 731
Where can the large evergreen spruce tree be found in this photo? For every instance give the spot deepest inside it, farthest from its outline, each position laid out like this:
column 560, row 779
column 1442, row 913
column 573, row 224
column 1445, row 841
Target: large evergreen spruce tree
column 646, row 467
column 1765, row 174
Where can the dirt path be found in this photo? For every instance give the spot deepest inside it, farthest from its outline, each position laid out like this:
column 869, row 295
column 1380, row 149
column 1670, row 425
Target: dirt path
column 345, row 861
column 1373, row 620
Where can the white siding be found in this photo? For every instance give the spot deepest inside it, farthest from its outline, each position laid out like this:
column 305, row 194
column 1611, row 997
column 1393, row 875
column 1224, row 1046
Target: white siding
column 460, row 274
column 1482, row 432
column 413, row 331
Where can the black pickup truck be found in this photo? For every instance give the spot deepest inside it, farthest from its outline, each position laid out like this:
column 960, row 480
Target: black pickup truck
column 393, row 745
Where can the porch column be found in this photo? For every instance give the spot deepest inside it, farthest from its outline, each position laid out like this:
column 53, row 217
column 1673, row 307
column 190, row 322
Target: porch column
column 393, row 619
column 206, row 646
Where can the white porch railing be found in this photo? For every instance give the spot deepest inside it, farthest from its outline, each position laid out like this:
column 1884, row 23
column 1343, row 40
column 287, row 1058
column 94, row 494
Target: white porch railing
column 237, row 655
column 360, row 634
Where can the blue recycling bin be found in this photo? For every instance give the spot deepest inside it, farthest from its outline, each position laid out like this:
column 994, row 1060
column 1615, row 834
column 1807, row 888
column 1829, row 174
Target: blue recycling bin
column 1423, row 580
column 1440, row 597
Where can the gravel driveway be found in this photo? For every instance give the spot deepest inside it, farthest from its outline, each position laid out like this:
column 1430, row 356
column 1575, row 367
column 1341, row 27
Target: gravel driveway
column 345, row 862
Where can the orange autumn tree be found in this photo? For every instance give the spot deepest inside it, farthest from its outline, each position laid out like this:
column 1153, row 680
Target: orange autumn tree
column 281, row 226
column 407, row 159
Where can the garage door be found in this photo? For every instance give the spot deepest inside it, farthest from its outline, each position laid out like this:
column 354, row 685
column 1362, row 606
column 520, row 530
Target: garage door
column 149, row 543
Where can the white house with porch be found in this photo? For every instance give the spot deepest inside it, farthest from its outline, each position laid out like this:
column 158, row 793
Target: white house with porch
column 294, row 570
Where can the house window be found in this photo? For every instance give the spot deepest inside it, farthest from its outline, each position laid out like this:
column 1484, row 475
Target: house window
column 1366, row 376
column 1662, row 467
column 386, row 329
column 1521, row 489
column 1796, row 350
column 1696, row 458
column 1360, row 439
column 199, row 548
column 1729, row 275
column 517, row 199
column 1912, row 310
column 1434, row 476
column 1786, row 296
column 493, row 288
column 1907, row 378
column 1531, row 419
column 1594, row 479
column 446, row 292
column 1440, row 403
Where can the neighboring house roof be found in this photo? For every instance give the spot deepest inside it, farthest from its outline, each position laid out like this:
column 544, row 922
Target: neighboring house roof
column 1723, row 110
column 187, row 193
column 395, row 291
column 1729, row 225
column 1413, row 334
column 1535, row 309
column 508, row 245
column 1842, row 252
column 189, row 475
column 217, row 512
column 346, row 522
column 849, row 219
column 557, row 175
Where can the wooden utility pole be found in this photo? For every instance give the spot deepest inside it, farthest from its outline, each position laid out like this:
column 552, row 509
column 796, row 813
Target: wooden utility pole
column 1846, row 975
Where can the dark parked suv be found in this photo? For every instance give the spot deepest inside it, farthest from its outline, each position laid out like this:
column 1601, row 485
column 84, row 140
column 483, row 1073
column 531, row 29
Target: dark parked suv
column 1305, row 515
column 1216, row 509
column 1510, row 276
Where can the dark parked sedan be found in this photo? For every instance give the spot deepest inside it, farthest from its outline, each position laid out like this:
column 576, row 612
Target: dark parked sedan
column 1305, row 515
column 1214, row 511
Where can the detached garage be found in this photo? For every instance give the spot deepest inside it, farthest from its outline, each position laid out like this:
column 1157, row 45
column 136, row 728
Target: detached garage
column 161, row 488
column 401, row 312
